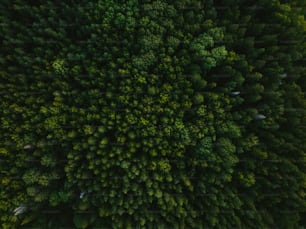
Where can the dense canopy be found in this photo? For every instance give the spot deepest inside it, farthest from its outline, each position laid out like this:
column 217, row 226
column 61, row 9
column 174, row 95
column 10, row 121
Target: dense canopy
column 152, row 114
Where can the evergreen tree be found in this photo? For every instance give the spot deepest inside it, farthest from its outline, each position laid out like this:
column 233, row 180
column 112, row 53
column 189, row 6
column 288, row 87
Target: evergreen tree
column 162, row 114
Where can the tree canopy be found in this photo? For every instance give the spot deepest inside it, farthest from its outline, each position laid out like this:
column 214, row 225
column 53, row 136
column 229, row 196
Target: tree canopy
column 152, row 114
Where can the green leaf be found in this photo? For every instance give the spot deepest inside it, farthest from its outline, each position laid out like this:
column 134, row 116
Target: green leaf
column 27, row 219
column 80, row 221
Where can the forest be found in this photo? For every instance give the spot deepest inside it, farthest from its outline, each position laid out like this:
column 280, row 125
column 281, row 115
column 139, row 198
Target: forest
column 153, row 114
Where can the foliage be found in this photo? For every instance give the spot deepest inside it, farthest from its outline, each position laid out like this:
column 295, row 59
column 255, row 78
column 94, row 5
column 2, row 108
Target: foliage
column 121, row 114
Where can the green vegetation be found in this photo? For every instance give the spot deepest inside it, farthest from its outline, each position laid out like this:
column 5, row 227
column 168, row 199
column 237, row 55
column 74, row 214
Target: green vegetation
column 161, row 114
